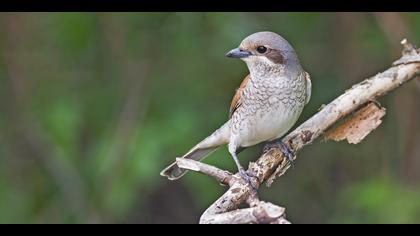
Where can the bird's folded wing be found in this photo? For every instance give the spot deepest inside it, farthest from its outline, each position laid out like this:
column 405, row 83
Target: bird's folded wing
column 236, row 101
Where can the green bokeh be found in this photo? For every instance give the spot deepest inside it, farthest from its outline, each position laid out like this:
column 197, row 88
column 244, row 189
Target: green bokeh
column 94, row 105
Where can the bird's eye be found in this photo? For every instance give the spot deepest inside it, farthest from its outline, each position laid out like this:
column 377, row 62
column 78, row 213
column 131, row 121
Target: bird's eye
column 261, row 49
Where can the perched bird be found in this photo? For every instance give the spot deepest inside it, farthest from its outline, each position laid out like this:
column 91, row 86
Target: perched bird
column 266, row 105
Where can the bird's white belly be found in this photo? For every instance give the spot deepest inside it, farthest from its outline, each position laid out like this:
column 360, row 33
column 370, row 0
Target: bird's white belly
column 267, row 124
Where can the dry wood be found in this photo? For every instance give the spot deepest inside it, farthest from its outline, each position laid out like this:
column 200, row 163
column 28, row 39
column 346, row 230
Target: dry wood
column 359, row 125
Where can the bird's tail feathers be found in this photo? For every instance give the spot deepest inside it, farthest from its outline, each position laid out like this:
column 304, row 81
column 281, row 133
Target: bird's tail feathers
column 199, row 152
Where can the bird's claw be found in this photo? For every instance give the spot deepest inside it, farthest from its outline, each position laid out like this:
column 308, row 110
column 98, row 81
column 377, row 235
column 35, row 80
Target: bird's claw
column 248, row 178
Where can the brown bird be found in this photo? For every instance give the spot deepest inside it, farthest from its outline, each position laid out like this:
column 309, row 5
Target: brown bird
column 267, row 104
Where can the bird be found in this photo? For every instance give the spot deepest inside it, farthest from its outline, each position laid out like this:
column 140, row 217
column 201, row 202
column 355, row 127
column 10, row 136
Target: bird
column 266, row 105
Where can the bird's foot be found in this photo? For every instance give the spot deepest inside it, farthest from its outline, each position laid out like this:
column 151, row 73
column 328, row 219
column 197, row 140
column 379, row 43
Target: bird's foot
column 278, row 144
column 250, row 179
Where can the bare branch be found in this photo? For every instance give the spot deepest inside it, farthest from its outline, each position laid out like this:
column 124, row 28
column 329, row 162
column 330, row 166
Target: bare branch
column 263, row 213
column 222, row 176
column 260, row 212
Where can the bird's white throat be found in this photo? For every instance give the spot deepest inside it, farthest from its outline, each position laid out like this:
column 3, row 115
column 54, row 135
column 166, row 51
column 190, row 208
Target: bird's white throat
column 261, row 67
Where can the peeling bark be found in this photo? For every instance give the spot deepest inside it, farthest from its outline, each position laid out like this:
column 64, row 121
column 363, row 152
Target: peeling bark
column 359, row 125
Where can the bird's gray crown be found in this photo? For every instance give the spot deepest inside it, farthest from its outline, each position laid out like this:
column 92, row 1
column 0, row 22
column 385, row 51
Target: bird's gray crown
column 266, row 38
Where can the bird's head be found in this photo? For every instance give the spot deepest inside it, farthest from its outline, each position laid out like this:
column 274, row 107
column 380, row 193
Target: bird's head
column 265, row 51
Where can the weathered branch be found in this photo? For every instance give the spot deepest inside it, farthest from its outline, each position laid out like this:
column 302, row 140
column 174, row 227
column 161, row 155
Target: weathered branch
column 221, row 176
column 260, row 212
column 272, row 164
column 264, row 212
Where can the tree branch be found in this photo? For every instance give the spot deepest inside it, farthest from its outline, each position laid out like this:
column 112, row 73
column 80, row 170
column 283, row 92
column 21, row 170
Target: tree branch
column 272, row 164
column 221, row 176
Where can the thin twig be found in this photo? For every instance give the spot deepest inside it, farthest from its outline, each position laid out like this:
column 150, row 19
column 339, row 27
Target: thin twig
column 221, row 176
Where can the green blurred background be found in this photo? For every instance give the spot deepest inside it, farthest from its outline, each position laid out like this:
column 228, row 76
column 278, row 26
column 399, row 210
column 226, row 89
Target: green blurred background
column 94, row 105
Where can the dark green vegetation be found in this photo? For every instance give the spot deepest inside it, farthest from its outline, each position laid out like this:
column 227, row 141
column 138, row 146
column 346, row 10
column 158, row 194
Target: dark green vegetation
column 93, row 106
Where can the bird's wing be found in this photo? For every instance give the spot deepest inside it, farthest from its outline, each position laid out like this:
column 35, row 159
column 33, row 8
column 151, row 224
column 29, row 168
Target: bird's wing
column 236, row 101
column 308, row 84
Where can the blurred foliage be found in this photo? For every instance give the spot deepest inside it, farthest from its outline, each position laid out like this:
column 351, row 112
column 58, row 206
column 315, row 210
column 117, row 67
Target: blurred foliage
column 379, row 201
column 94, row 105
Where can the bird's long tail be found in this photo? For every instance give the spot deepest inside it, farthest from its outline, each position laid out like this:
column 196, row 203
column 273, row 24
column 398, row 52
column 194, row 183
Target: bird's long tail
column 199, row 151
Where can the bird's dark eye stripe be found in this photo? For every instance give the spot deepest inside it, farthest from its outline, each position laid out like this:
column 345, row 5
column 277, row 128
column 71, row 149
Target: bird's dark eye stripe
column 261, row 49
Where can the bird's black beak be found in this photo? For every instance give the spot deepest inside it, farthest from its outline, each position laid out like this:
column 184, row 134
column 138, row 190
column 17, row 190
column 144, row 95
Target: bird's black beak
column 238, row 53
